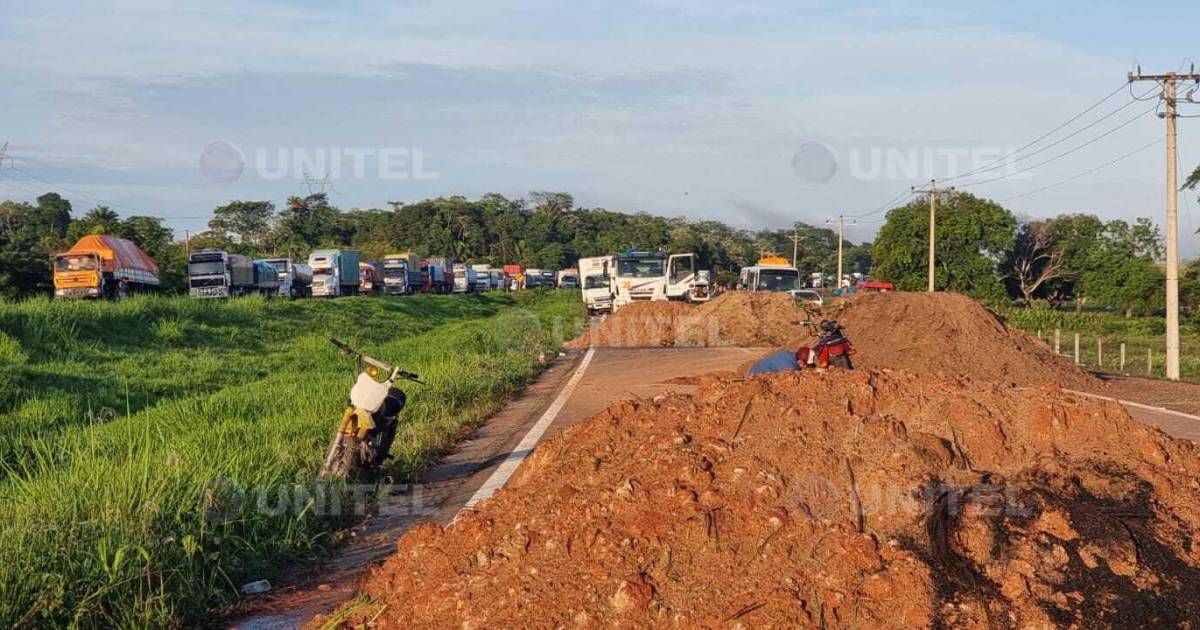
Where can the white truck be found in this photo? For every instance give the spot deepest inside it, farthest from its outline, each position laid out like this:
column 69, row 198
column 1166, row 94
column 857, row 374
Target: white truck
column 568, row 279
column 643, row 276
column 484, row 280
column 772, row 273
column 597, row 282
column 335, row 272
column 464, row 278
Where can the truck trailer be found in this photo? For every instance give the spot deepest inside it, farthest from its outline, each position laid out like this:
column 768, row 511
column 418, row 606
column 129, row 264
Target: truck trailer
column 266, row 278
column 295, row 279
column 220, row 274
column 335, row 272
column 98, row 264
column 401, row 274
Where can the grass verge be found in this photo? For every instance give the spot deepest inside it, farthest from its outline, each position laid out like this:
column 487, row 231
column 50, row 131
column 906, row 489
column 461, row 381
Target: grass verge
column 130, row 433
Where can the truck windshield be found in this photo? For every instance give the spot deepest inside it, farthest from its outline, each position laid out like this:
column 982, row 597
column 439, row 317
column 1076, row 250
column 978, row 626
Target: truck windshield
column 206, row 268
column 322, row 271
column 650, row 267
column 81, row 262
column 596, row 282
column 279, row 265
column 778, row 280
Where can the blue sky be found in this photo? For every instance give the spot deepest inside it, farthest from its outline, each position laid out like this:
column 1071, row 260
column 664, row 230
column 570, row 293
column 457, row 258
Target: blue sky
column 679, row 108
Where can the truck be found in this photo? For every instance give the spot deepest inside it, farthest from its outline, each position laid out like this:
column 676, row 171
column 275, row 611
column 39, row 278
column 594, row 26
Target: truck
column 513, row 275
column 597, row 274
column 401, row 274
column 568, row 279
column 485, row 277
column 335, row 272
column 702, row 288
column 435, row 278
column 533, row 278
column 370, row 277
column 295, row 279
column 464, row 278
column 216, row 273
column 643, row 276
column 549, row 279
column 96, row 266
column 266, row 278
column 770, row 273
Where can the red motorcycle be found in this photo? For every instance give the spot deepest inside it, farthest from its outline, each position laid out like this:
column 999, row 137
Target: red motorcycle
column 832, row 348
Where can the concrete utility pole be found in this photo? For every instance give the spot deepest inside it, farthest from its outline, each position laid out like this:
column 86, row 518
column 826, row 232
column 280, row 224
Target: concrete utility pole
column 1170, row 82
column 841, row 223
column 932, row 192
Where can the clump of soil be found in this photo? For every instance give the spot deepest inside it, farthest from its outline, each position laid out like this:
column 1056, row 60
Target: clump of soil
column 929, row 333
column 823, row 499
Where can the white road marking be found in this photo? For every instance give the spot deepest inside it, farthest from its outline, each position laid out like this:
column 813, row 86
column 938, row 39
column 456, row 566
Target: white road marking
column 500, row 476
column 1130, row 403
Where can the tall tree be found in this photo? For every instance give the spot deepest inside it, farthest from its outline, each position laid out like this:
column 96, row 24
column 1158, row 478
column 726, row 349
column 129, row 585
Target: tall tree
column 1036, row 258
column 247, row 223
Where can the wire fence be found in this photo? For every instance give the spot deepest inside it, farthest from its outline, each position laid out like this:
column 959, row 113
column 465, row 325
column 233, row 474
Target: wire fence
column 1134, row 358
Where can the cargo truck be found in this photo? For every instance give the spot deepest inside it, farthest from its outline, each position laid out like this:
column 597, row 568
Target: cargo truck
column 96, row 266
column 770, row 273
column 219, row 274
column 335, row 272
column 597, row 283
column 370, row 277
column 485, row 277
column 533, row 279
column 464, row 278
column 435, row 278
column 549, row 279
column 295, row 279
column 568, row 279
column 266, row 278
column 642, row 276
column 401, row 274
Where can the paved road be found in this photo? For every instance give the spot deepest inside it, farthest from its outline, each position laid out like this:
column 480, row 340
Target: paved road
column 573, row 389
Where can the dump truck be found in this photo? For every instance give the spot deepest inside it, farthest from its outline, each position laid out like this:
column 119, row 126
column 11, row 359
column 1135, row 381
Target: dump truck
column 770, row 273
column 643, row 276
column 295, row 279
column 96, row 266
column 464, row 278
column 370, row 277
column 266, row 278
column 219, row 274
column 401, row 274
column 597, row 283
column 335, row 272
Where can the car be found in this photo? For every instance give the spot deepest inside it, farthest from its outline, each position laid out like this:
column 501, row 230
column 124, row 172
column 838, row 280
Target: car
column 808, row 296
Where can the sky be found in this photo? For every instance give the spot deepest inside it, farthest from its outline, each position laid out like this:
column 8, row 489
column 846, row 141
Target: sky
column 755, row 113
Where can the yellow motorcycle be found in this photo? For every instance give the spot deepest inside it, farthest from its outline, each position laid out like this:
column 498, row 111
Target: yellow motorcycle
column 367, row 429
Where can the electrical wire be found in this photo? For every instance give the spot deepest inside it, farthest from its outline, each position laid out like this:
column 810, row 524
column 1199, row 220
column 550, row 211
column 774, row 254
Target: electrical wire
column 1009, row 160
column 1084, row 173
column 1060, row 155
column 887, row 205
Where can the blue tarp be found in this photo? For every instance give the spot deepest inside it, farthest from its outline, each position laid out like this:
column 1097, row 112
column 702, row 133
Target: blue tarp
column 782, row 361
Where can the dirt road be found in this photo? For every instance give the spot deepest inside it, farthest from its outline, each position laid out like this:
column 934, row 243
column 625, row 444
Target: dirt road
column 573, row 389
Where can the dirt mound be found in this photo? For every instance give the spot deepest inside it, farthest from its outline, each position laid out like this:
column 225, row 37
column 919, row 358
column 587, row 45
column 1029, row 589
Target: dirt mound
column 869, row 499
column 938, row 333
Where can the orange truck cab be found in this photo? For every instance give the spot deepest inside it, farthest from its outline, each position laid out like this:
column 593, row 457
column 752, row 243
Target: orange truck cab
column 96, row 265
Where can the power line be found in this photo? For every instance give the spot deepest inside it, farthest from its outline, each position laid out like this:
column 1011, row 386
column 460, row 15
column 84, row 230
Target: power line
column 1011, row 158
column 1084, row 173
column 1060, row 155
column 887, row 205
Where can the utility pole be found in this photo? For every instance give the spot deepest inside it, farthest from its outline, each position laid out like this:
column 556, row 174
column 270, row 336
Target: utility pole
column 932, row 192
column 795, row 246
column 841, row 237
column 187, row 243
column 1170, row 82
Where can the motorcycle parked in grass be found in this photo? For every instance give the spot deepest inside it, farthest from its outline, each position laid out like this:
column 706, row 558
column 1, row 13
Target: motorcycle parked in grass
column 367, row 429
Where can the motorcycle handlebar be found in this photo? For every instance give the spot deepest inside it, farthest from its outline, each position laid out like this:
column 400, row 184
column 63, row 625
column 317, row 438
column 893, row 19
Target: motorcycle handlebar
column 369, row 360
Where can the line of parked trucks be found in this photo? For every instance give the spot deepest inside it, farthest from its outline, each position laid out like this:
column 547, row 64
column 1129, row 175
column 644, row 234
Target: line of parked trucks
column 103, row 266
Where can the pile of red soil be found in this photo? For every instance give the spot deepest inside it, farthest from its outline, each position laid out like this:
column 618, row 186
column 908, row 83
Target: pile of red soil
column 869, row 499
column 929, row 333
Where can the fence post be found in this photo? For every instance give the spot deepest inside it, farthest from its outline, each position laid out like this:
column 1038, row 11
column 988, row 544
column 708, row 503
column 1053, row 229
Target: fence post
column 1122, row 368
column 1039, row 333
column 1057, row 339
column 1076, row 348
column 1149, row 362
column 1100, row 352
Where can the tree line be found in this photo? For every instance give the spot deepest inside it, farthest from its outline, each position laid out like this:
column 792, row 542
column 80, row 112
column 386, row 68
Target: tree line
column 543, row 230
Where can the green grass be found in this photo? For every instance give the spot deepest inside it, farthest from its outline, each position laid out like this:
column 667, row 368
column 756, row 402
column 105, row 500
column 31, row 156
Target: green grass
column 1139, row 334
column 128, row 433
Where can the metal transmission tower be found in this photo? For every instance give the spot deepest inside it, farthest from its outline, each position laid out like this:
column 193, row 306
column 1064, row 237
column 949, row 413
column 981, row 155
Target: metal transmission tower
column 1170, row 82
column 933, row 192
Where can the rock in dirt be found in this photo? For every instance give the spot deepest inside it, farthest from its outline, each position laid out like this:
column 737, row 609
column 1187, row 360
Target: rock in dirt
column 928, row 333
column 879, row 499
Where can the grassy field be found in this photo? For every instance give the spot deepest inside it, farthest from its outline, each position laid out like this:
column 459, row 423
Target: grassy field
column 1139, row 334
column 131, row 435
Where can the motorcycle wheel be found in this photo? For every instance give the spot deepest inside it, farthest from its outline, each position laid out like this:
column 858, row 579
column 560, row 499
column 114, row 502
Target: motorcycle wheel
column 342, row 458
column 841, row 361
